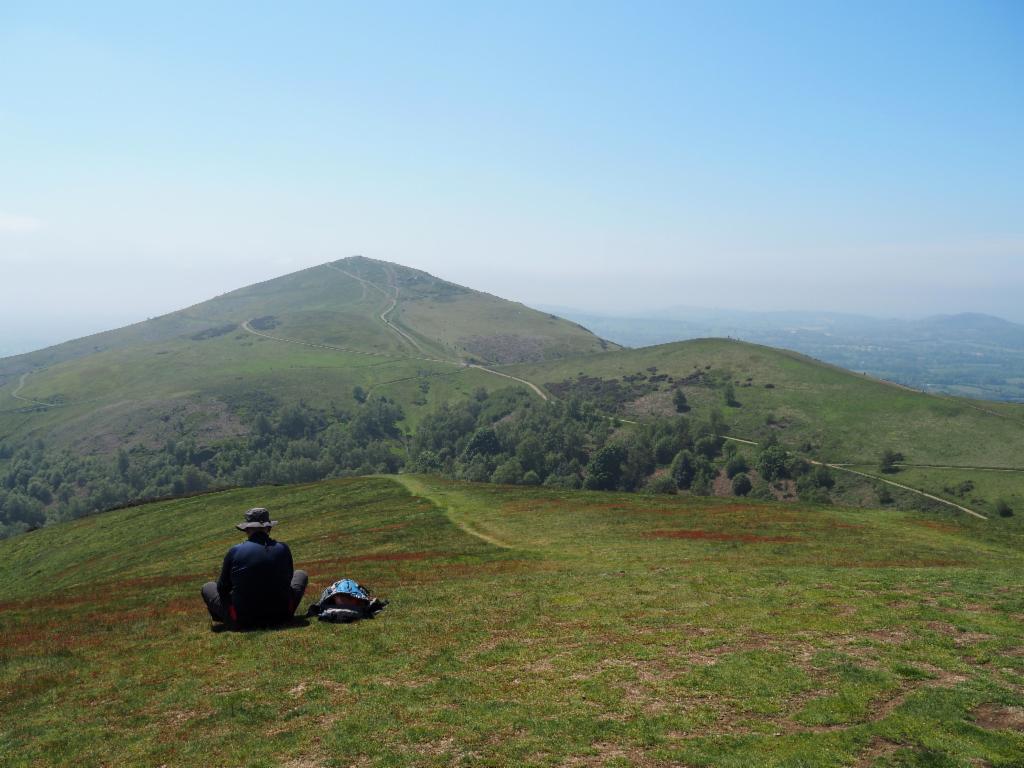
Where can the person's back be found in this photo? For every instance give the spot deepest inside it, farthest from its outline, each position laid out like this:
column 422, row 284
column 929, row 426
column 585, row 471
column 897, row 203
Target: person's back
column 257, row 583
column 257, row 575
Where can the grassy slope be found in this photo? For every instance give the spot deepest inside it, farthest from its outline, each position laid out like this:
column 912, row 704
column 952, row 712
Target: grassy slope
column 846, row 417
column 989, row 487
column 579, row 632
column 121, row 383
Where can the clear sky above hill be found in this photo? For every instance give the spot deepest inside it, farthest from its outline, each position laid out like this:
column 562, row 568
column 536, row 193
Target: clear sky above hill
column 848, row 156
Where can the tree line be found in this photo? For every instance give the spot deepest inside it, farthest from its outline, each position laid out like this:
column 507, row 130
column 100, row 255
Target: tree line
column 506, row 436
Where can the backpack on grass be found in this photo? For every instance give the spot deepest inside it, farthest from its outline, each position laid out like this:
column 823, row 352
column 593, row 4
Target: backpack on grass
column 344, row 601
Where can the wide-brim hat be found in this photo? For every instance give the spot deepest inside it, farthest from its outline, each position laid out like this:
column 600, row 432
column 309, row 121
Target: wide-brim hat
column 257, row 517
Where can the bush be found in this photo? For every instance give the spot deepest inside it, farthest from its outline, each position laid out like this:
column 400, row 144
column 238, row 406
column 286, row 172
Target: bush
column 703, row 477
column 771, row 462
column 741, row 485
column 605, row 468
column 1003, row 509
column 819, row 478
column 679, row 401
column 661, row 484
column 665, row 450
column 509, row 472
column 887, row 463
column 708, row 447
column 736, row 465
column 683, row 469
column 729, row 395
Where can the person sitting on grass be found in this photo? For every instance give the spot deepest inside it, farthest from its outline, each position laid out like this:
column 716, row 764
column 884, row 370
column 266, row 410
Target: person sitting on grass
column 258, row 585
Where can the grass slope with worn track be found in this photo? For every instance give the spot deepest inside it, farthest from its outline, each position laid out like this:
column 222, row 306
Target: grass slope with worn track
column 527, row 627
column 314, row 335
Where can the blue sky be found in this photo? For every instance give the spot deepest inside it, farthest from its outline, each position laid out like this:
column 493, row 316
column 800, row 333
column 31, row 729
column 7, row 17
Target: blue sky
column 850, row 156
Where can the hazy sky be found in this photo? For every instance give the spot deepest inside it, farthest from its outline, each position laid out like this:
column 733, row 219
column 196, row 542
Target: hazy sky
column 849, row 156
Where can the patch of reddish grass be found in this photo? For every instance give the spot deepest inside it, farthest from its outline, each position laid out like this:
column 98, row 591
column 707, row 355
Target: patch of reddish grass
column 719, row 536
column 159, row 581
column 159, row 610
column 830, row 524
column 43, row 638
column 378, row 557
column 725, row 508
column 893, row 563
column 383, row 528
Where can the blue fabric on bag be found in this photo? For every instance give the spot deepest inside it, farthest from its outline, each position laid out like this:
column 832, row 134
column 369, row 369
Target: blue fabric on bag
column 345, row 587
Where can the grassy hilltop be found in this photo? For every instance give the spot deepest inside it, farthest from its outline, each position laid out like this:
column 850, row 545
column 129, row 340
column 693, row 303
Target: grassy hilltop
column 325, row 330
column 527, row 627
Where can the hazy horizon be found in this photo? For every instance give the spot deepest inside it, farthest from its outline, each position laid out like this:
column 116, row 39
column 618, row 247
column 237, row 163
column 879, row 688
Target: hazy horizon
column 796, row 156
column 22, row 334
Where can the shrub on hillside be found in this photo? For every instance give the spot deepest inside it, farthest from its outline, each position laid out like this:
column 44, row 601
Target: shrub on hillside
column 605, row 468
column 661, row 484
column 679, row 401
column 888, row 461
column 772, row 462
column 741, row 485
column 509, row 472
column 729, row 395
column 817, row 479
column 683, row 469
column 735, row 466
column 709, row 446
column 1003, row 509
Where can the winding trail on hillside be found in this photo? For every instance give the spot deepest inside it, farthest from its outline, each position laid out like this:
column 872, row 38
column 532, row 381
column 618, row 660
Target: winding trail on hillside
column 540, row 393
column 846, row 468
column 392, row 297
column 383, row 317
column 904, row 465
column 21, row 386
column 246, row 326
column 449, row 503
column 465, row 366
column 905, row 488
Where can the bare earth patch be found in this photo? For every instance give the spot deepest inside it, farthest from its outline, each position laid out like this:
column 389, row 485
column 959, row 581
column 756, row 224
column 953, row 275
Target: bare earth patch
column 999, row 718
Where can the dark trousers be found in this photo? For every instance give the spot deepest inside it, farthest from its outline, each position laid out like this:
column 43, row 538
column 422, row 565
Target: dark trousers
column 220, row 612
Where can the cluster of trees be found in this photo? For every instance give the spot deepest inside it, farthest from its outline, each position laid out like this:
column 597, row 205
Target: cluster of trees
column 506, row 437
column 511, row 438
column 292, row 444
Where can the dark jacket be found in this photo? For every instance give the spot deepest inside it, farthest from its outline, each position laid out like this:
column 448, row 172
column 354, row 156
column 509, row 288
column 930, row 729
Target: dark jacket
column 255, row 581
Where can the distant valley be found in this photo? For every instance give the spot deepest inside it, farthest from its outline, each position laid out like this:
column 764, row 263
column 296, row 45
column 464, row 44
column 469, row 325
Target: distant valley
column 971, row 355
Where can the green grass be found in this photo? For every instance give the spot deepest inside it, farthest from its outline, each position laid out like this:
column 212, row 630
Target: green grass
column 527, row 627
column 989, row 487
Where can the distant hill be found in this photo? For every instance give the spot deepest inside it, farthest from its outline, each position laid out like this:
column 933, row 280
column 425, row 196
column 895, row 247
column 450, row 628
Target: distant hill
column 973, row 355
column 383, row 326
